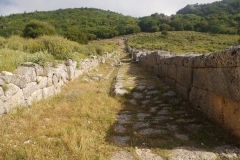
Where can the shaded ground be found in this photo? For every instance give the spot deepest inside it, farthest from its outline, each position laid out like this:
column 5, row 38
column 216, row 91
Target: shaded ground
column 156, row 123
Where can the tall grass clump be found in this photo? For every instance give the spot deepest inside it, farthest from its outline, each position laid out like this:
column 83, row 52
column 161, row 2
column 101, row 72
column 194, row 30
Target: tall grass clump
column 2, row 41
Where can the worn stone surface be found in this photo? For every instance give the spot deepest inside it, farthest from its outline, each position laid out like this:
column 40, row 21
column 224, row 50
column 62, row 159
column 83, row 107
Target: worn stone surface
column 120, row 140
column 29, row 89
column 122, row 155
column 146, row 154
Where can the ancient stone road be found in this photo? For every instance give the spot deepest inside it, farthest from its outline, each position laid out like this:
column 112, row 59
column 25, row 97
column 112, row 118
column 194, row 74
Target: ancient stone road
column 157, row 124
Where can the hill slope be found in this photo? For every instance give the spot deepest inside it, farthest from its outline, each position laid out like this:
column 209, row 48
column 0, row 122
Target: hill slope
column 93, row 22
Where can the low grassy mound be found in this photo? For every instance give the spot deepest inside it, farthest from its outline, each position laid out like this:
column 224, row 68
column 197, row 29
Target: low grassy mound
column 183, row 41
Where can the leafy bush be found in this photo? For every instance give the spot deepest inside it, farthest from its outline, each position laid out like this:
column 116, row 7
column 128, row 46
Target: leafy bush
column 75, row 35
column 36, row 28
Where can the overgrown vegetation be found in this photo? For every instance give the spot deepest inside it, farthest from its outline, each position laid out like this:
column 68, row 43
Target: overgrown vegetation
column 183, row 41
column 16, row 50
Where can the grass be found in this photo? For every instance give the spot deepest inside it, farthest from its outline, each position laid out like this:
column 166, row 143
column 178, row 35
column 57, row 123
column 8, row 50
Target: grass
column 183, row 41
column 72, row 125
column 15, row 50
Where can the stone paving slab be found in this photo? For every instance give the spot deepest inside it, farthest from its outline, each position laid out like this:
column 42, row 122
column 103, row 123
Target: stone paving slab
column 154, row 111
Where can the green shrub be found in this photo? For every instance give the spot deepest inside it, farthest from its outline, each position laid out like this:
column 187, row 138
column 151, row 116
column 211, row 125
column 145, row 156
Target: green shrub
column 36, row 28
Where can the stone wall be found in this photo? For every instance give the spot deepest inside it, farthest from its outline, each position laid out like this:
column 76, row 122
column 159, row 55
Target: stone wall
column 31, row 82
column 210, row 82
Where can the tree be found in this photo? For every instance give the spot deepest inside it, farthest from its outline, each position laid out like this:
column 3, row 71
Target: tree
column 36, row 28
column 75, row 34
column 133, row 29
column 121, row 29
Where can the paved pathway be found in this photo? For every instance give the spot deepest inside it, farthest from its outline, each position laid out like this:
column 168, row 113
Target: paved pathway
column 156, row 123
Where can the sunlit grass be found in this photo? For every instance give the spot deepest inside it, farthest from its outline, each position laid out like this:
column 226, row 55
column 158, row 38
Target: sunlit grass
column 16, row 50
column 183, row 41
column 72, row 125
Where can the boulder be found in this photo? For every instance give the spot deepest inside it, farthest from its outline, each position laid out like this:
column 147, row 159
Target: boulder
column 29, row 89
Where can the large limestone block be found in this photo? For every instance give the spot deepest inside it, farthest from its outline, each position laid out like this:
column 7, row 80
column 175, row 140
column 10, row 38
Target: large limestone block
column 184, row 76
column 215, row 108
column 221, row 81
column 169, row 60
column 29, row 89
column 39, row 70
column 218, row 81
column 77, row 73
column 1, row 91
column 231, row 113
column 49, row 71
column 2, row 107
column 182, row 90
column 41, row 82
column 29, row 72
column 2, row 82
column 5, row 77
column 232, row 79
column 169, row 81
column 11, row 89
column 172, row 71
column 74, row 64
column 17, row 100
column 165, row 70
column 199, row 61
column 70, row 72
column 200, row 99
column 21, row 80
column 227, row 58
column 48, row 92
column 151, row 59
column 37, row 95
column 55, row 80
column 49, row 81
column 201, row 78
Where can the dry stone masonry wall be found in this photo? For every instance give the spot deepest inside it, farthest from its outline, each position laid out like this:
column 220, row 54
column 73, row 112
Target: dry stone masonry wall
column 31, row 82
column 210, row 82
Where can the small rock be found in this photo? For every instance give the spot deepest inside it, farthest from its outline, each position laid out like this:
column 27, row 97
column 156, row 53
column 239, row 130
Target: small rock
column 121, row 141
column 122, row 155
column 133, row 102
column 145, row 102
column 146, row 154
column 137, row 95
column 119, row 128
column 124, row 118
column 152, row 92
column 181, row 136
column 149, row 131
column 140, row 125
column 191, row 154
column 170, row 94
